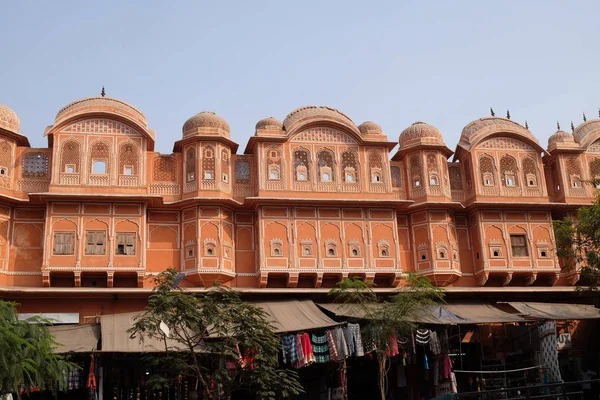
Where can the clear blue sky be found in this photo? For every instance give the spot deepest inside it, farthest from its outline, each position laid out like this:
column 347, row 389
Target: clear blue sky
column 395, row 62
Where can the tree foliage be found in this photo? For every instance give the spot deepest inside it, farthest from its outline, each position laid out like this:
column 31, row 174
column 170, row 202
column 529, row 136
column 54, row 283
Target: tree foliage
column 578, row 242
column 26, row 354
column 384, row 319
column 207, row 334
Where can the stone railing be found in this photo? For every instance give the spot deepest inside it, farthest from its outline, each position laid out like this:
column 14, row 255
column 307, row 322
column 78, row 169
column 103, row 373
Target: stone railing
column 399, row 194
column 533, row 192
column 351, row 187
column 242, row 190
column 209, row 184
column 490, row 191
column 435, row 190
column 99, row 180
column 303, row 186
column 274, row 185
column 326, row 187
column 458, row 195
column 577, row 192
column 128, row 180
column 417, row 192
column 512, row 191
column 376, row 187
column 69, row 179
column 33, row 186
column 169, row 189
column 190, row 187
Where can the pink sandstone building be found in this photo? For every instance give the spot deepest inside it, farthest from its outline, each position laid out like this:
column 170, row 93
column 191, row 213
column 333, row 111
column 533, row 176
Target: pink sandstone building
column 310, row 201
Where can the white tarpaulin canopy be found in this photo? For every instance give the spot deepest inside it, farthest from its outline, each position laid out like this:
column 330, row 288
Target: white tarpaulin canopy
column 443, row 314
column 556, row 311
column 295, row 315
column 76, row 338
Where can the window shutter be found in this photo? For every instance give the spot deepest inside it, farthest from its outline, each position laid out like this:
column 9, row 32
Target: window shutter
column 68, row 243
column 58, row 243
column 130, row 244
column 100, row 242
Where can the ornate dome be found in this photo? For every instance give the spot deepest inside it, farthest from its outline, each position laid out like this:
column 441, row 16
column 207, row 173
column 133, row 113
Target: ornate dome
column 9, row 119
column 420, row 131
column 317, row 112
column 492, row 125
column 561, row 137
column 370, row 128
column 205, row 119
column 269, row 123
column 101, row 104
column 585, row 130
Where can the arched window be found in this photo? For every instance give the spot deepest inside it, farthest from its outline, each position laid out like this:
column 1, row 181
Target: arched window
column 375, row 166
column 210, row 248
column 70, row 157
column 6, row 163
column 301, row 165
column 433, row 170
column 595, row 172
column 325, row 165
column 190, row 165
column 330, row 248
column 224, row 165
column 486, row 168
column 416, row 171
column 350, row 166
column 530, row 172
column 100, row 162
column 574, row 172
column 273, row 164
column 276, row 248
column 242, row 171
column 35, row 165
column 508, row 171
column 164, row 169
column 396, row 176
column 208, row 163
column 129, row 157
column 384, row 248
column 455, row 178
column 274, row 172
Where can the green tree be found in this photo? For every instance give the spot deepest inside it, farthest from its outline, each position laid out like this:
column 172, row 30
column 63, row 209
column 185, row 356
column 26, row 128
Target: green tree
column 385, row 319
column 205, row 333
column 26, row 354
column 578, row 242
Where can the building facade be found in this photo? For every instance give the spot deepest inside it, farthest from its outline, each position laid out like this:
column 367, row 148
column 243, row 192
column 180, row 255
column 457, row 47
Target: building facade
column 311, row 200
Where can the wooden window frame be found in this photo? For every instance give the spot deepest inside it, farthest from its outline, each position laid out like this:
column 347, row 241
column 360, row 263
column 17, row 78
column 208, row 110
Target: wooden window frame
column 517, row 249
column 125, row 243
column 61, row 247
column 95, row 243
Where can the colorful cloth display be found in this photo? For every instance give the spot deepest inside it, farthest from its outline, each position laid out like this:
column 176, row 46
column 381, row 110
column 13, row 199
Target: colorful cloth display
column 340, row 343
column 333, row 353
column 320, row 347
column 354, row 340
column 288, row 345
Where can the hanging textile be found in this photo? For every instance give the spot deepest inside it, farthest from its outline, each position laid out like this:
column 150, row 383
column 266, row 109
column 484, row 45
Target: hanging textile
column 354, row 340
column 333, row 353
column 447, row 367
column 288, row 346
column 392, row 347
column 340, row 343
column 434, row 343
column 301, row 362
column 436, row 372
column 309, row 356
column 320, row 347
column 423, row 337
column 549, row 350
column 91, row 381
